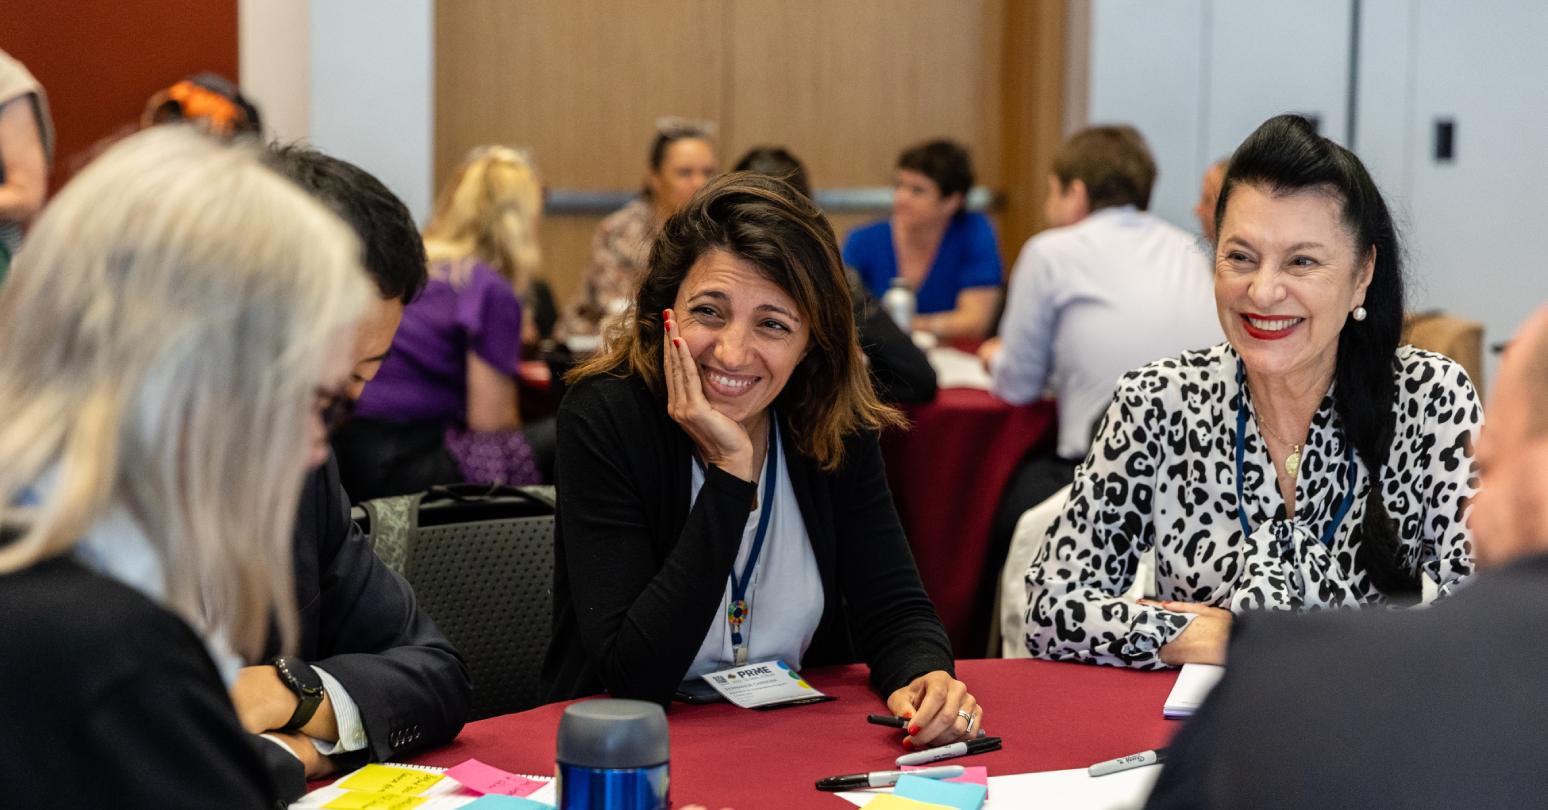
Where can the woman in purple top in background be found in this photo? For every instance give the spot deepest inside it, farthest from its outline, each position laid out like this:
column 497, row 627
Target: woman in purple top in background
column 443, row 409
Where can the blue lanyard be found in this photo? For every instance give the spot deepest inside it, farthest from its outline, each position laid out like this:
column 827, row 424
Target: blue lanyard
column 738, row 611
column 1241, row 452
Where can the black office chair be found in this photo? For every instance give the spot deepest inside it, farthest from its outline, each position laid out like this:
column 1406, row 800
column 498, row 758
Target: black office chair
column 481, row 561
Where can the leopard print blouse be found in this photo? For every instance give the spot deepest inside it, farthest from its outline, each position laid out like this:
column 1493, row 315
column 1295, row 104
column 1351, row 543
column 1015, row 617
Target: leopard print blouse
column 1162, row 474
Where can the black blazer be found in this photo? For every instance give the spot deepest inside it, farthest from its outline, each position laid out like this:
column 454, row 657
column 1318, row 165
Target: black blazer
column 1438, row 707
column 361, row 623
column 639, row 575
column 109, row 700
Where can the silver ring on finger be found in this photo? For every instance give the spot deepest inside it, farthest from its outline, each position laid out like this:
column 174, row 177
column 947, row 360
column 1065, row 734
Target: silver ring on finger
column 968, row 716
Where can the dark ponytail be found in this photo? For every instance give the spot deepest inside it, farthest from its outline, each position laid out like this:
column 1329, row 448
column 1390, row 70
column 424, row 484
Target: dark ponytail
column 1286, row 154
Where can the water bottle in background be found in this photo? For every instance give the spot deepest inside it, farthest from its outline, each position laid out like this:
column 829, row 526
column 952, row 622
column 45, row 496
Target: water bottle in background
column 898, row 302
column 613, row 756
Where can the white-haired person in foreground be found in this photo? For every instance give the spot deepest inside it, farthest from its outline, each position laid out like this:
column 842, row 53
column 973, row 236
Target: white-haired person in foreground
column 174, row 335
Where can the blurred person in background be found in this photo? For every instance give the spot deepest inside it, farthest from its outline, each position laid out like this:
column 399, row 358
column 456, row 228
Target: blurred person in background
column 681, row 160
column 444, row 408
column 900, row 371
column 207, row 100
column 1209, row 194
column 174, row 343
column 946, row 254
column 1106, row 289
column 26, row 150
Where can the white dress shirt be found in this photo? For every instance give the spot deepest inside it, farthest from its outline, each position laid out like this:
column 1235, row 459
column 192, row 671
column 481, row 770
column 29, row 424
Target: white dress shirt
column 784, row 597
column 1093, row 301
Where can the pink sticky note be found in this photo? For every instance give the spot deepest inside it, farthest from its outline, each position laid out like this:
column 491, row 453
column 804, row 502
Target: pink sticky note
column 481, row 778
column 972, row 775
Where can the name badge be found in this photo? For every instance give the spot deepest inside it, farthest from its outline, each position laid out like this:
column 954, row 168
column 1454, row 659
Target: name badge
column 764, row 685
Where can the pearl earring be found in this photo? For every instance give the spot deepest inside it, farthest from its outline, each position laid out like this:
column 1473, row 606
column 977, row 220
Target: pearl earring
column 1359, row 313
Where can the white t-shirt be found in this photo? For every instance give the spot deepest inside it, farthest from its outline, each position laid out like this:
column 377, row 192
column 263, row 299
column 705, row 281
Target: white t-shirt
column 784, row 597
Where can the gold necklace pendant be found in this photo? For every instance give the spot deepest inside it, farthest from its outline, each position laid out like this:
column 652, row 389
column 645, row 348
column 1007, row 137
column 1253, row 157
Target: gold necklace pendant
column 1293, row 461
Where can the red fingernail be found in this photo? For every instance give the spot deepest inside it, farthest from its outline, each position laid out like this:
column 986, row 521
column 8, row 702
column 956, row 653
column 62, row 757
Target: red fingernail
column 908, row 715
column 912, row 730
column 665, row 314
column 677, row 341
column 908, row 745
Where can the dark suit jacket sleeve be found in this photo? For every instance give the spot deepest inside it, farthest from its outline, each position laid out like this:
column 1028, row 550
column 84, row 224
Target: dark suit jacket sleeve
column 165, row 735
column 893, row 620
column 641, row 621
column 899, row 369
column 410, row 684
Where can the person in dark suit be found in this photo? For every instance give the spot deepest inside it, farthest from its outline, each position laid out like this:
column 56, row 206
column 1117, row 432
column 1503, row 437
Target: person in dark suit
column 1441, row 707
column 172, row 334
column 722, row 497
column 391, row 683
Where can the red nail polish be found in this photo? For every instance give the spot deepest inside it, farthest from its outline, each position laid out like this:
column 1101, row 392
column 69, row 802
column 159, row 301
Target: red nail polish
column 908, row 745
column 666, row 314
column 677, row 341
column 912, row 730
column 908, row 715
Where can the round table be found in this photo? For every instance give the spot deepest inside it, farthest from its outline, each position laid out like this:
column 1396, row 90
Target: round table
column 1051, row 715
column 947, row 472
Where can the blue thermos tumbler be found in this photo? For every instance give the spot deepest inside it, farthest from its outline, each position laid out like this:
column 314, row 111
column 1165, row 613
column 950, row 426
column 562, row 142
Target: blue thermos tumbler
column 613, row 756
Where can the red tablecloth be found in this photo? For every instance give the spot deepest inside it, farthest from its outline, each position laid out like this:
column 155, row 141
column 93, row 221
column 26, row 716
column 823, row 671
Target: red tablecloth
column 1051, row 715
column 947, row 474
column 534, row 386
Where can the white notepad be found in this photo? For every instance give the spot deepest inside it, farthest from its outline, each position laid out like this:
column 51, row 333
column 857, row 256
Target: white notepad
column 1193, row 685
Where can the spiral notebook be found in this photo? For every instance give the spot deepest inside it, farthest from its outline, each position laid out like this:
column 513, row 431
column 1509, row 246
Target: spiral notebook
column 395, row 786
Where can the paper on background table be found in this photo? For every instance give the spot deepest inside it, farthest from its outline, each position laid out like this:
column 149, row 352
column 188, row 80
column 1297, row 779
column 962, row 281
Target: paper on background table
column 1193, row 685
column 955, row 368
column 1074, row 789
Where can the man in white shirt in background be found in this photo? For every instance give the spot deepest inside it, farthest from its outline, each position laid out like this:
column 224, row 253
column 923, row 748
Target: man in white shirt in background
column 1106, row 289
column 1209, row 195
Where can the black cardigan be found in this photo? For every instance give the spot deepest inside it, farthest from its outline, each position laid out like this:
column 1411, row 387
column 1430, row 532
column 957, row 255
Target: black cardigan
column 639, row 576
column 109, row 700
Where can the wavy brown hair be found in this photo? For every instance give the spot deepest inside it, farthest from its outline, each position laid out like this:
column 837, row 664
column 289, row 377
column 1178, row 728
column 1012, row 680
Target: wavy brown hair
column 764, row 221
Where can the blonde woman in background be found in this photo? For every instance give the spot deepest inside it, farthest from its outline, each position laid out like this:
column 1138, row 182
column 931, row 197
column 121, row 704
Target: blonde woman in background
column 443, row 409
column 173, row 335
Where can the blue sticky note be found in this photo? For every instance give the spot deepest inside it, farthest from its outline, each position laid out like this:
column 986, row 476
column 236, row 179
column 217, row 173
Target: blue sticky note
column 494, row 802
column 934, row 791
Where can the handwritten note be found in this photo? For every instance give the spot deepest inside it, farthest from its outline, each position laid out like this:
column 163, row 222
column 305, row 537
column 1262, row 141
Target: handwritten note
column 481, row 778
column 361, row 800
column 390, row 779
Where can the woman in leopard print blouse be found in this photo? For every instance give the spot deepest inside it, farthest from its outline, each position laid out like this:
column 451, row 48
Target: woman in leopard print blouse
column 1248, row 466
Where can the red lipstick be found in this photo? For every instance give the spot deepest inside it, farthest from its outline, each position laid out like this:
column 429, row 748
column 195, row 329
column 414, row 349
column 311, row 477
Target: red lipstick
column 1269, row 334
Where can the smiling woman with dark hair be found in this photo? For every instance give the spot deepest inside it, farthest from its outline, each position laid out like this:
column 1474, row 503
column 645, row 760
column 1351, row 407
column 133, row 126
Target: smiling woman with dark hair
column 1310, row 461
column 721, row 491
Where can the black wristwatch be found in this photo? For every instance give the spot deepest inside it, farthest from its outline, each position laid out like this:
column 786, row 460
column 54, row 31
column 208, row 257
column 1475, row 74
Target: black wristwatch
column 306, row 683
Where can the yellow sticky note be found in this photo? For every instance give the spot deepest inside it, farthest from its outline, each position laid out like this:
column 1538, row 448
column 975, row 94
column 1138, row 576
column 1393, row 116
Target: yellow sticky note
column 889, row 801
column 361, row 800
column 375, row 778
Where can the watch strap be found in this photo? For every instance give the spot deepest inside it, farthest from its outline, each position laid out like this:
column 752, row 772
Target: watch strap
column 307, row 686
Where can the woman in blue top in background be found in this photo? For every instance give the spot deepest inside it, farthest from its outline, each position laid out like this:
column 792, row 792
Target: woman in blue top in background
column 947, row 255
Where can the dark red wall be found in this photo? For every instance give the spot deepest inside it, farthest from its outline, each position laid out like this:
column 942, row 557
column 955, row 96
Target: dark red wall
column 100, row 60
